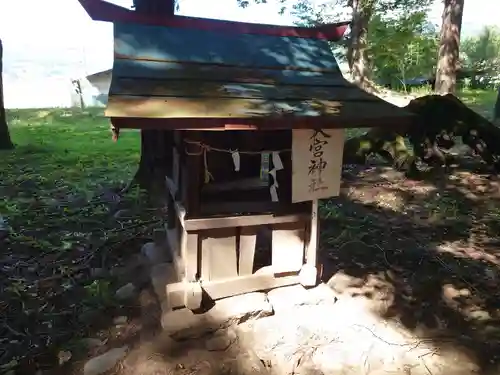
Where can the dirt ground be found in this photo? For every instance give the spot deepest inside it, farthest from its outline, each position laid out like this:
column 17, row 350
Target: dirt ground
column 413, row 270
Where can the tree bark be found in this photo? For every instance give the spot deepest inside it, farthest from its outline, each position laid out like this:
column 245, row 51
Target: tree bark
column 163, row 7
column 388, row 144
column 156, row 155
column 448, row 55
column 357, row 55
column 5, row 141
column 156, row 145
column 439, row 120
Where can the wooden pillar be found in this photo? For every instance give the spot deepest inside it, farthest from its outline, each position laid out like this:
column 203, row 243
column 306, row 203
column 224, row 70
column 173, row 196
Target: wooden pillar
column 248, row 242
column 309, row 273
column 193, row 172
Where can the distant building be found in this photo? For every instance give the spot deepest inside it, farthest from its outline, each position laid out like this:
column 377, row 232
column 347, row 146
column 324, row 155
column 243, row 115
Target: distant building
column 57, row 92
column 95, row 88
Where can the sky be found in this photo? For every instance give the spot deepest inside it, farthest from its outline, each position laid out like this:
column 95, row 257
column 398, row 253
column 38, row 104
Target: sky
column 59, row 37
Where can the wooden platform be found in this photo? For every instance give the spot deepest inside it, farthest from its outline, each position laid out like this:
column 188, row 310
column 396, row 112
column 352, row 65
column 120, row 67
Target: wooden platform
column 214, row 257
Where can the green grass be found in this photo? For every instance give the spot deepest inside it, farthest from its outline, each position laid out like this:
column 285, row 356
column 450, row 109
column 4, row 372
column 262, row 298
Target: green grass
column 73, row 146
column 481, row 101
column 60, row 226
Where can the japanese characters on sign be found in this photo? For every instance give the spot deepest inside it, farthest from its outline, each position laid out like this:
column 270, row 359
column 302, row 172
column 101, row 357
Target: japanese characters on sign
column 316, row 163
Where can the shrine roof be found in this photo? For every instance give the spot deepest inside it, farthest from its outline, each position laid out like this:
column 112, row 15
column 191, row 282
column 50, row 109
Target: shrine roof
column 194, row 78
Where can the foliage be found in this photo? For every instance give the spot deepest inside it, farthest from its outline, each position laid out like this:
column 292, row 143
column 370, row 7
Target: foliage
column 402, row 43
column 246, row 3
column 481, row 54
column 402, row 49
column 310, row 12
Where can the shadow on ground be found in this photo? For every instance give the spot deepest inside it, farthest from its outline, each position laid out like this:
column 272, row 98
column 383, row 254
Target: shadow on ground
column 425, row 255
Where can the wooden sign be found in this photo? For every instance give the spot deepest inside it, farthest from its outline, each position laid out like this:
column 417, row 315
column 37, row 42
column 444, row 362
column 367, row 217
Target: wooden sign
column 316, row 163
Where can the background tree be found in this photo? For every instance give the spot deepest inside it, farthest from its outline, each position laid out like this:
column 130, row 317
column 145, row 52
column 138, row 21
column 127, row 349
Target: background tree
column 156, row 145
column 365, row 14
column 402, row 49
column 357, row 50
column 449, row 47
column 480, row 54
column 5, row 141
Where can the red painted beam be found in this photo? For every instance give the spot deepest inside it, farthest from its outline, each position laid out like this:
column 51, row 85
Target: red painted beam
column 101, row 10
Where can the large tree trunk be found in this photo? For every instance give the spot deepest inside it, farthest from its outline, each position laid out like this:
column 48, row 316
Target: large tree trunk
column 357, row 55
column 5, row 141
column 448, row 56
column 156, row 155
column 156, row 145
column 388, row 144
column 163, row 7
column 439, row 119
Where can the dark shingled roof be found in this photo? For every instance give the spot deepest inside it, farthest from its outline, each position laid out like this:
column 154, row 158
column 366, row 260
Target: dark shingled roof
column 213, row 76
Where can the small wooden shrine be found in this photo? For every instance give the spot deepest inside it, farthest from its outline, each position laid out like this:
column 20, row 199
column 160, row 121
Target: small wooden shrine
column 254, row 115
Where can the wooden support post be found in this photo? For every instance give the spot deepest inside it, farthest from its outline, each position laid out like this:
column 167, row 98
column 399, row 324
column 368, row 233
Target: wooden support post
column 248, row 240
column 176, row 174
column 189, row 253
column 309, row 274
column 193, row 295
column 189, row 250
column 288, row 247
column 171, row 213
column 193, row 172
column 218, row 254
